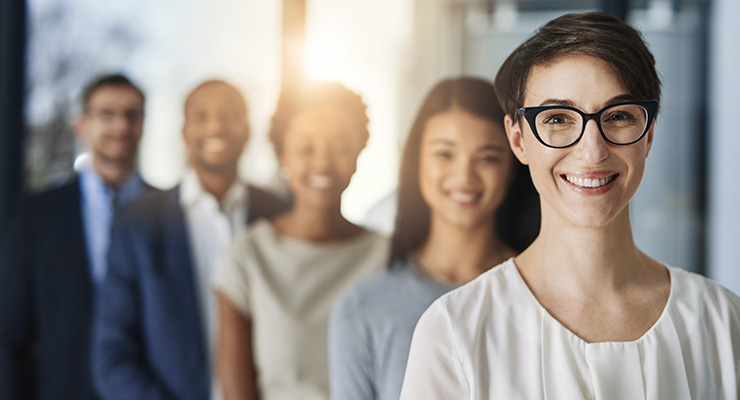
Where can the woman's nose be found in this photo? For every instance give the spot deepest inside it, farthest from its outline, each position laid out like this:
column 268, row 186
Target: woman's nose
column 592, row 147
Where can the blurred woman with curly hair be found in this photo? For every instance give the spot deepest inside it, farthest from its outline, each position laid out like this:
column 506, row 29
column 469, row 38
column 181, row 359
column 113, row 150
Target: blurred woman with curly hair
column 279, row 279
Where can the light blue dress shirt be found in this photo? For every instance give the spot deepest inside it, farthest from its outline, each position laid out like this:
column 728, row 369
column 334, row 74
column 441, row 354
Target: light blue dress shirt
column 98, row 206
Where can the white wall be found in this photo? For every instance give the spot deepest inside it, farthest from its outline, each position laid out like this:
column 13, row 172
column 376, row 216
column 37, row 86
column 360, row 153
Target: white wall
column 724, row 145
column 187, row 42
column 365, row 45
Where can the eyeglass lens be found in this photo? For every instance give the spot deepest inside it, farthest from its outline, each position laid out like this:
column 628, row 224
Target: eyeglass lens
column 621, row 124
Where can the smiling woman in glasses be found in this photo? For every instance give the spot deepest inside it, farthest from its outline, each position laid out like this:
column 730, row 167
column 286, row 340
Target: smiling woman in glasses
column 582, row 313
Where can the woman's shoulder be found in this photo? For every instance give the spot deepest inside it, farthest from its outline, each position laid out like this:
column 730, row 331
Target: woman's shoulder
column 374, row 286
column 397, row 289
column 492, row 290
column 257, row 228
column 378, row 286
column 472, row 313
column 265, row 232
column 361, row 300
column 700, row 294
column 258, row 231
column 375, row 239
column 365, row 248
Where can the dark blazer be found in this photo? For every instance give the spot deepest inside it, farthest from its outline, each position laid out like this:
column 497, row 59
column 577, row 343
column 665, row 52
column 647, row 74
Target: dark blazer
column 148, row 340
column 46, row 300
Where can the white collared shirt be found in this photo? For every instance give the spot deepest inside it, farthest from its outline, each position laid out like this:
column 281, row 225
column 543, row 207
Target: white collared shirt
column 211, row 225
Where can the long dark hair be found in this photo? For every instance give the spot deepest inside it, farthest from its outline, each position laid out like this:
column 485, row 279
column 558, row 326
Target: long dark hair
column 518, row 217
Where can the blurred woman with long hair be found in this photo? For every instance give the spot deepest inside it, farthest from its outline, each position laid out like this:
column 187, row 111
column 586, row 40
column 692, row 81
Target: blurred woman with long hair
column 464, row 205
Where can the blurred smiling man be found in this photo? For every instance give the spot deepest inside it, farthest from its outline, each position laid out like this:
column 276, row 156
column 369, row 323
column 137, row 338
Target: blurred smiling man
column 111, row 123
column 57, row 256
column 156, row 323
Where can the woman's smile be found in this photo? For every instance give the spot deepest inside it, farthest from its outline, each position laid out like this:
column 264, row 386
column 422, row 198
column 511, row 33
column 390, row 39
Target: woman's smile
column 465, row 197
column 592, row 183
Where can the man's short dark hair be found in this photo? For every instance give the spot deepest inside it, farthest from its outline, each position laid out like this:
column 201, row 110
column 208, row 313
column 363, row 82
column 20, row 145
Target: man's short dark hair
column 108, row 80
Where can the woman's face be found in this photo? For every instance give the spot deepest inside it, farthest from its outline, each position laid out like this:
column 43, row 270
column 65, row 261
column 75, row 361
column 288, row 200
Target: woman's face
column 319, row 156
column 464, row 168
column 587, row 83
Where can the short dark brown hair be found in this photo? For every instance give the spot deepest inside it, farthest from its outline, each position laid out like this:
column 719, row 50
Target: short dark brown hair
column 334, row 94
column 595, row 34
column 108, row 80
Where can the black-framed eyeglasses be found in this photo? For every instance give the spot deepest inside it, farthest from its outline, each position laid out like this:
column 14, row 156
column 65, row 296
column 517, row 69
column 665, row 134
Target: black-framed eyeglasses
column 563, row 126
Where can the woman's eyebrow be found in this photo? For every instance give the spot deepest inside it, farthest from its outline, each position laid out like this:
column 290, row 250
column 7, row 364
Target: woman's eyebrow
column 557, row 102
column 442, row 141
column 566, row 102
column 620, row 98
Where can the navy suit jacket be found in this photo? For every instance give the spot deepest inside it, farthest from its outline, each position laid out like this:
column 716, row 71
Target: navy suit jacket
column 46, row 300
column 148, row 337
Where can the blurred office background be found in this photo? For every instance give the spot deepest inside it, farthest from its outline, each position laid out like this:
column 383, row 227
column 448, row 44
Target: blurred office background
column 392, row 52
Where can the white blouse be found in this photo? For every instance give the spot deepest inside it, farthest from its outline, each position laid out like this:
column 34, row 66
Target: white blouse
column 287, row 287
column 491, row 339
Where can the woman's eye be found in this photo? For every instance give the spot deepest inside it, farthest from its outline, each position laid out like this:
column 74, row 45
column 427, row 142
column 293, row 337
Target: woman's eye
column 490, row 159
column 443, row 154
column 556, row 119
column 621, row 116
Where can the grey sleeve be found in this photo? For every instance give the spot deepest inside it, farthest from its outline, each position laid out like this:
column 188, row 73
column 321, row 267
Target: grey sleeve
column 231, row 277
column 351, row 369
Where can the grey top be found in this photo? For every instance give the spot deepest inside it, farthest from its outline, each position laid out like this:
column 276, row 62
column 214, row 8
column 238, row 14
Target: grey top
column 371, row 328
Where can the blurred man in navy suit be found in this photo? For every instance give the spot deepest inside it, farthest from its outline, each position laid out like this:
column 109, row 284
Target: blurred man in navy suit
column 57, row 253
column 155, row 329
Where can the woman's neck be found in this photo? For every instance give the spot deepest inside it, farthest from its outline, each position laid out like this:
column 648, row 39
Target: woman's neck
column 315, row 225
column 585, row 260
column 457, row 255
column 594, row 280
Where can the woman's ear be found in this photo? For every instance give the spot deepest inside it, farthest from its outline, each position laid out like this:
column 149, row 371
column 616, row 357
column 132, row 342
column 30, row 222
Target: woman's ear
column 649, row 139
column 514, row 134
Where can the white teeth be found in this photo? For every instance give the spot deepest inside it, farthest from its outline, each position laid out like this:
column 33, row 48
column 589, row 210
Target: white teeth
column 588, row 183
column 319, row 181
column 462, row 197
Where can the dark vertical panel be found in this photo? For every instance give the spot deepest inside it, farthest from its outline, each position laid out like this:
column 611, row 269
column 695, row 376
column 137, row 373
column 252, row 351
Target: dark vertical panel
column 294, row 33
column 616, row 7
column 12, row 57
column 703, row 142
